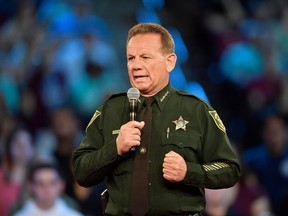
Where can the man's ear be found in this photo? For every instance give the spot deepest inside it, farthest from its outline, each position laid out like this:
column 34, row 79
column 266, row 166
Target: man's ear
column 171, row 61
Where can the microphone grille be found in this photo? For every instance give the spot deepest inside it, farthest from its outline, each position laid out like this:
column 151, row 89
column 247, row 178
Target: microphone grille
column 133, row 94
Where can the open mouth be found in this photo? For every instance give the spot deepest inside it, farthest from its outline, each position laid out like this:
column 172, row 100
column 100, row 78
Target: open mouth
column 141, row 78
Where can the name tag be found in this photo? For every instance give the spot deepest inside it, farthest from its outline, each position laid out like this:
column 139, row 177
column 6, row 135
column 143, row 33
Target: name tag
column 115, row 131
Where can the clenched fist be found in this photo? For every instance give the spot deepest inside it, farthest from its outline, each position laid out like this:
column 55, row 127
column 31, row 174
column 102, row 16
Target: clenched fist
column 174, row 167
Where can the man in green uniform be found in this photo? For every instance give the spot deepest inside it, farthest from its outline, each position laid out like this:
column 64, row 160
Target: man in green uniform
column 189, row 148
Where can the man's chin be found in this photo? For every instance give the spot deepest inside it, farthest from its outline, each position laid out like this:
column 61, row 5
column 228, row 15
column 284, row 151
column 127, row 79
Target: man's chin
column 142, row 87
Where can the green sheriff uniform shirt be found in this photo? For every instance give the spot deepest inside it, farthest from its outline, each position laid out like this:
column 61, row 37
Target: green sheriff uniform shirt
column 182, row 123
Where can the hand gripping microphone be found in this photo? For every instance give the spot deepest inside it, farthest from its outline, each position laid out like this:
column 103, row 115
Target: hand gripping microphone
column 133, row 95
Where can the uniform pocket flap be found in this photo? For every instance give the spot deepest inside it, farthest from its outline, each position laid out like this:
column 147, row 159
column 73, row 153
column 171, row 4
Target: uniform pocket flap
column 182, row 140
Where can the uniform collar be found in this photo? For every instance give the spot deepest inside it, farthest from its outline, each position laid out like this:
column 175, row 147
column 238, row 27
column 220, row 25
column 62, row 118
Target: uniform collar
column 161, row 97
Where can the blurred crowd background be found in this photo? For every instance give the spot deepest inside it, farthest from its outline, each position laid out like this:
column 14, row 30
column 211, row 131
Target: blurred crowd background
column 60, row 59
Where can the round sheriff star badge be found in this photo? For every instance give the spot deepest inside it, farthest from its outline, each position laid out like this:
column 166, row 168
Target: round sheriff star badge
column 180, row 123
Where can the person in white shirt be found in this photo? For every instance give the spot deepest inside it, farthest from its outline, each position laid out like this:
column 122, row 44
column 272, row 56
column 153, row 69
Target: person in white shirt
column 46, row 186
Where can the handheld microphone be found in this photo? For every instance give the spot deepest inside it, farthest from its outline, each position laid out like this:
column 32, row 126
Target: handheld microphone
column 133, row 95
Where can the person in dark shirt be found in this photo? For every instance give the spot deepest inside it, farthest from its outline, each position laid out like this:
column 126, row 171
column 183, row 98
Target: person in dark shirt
column 189, row 148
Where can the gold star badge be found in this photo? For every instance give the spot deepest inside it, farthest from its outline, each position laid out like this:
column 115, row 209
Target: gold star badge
column 180, row 123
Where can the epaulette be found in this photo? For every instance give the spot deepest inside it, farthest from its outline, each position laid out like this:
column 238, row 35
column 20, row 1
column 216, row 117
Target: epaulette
column 116, row 95
column 192, row 95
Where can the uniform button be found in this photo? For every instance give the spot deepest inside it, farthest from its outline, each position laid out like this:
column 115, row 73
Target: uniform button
column 180, row 144
column 142, row 150
column 150, row 184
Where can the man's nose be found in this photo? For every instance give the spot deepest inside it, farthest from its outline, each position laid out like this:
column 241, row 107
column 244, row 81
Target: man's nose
column 136, row 63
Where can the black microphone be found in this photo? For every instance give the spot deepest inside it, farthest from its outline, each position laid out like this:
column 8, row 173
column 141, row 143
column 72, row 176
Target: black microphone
column 133, row 95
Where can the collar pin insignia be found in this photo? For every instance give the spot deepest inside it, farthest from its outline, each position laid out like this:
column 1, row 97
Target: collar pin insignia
column 164, row 96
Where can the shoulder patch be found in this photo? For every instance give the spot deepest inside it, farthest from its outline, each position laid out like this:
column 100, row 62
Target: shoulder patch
column 217, row 120
column 96, row 114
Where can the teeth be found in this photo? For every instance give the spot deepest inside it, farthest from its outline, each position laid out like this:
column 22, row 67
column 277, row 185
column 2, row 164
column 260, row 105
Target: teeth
column 141, row 78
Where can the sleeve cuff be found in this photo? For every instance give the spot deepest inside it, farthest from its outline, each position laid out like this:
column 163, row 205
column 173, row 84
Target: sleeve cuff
column 194, row 175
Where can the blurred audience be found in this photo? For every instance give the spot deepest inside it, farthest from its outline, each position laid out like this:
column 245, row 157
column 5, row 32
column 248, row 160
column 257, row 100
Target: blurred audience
column 56, row 144
column 19, row 154
column 7, row 123
column 58, row 62
column 46, row 198
column 269, row 161
column 66, row 133
column 98, row 82
column 251, row 198
column 218, row 202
